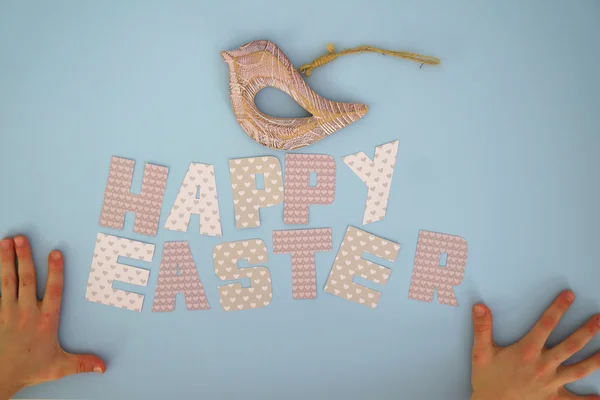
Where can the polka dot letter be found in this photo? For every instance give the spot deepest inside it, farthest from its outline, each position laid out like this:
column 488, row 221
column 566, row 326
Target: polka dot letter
column 349, row 262
column 233, row 296
column 428, row 275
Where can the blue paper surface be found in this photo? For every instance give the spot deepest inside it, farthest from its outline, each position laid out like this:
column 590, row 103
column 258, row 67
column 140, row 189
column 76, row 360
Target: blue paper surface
column 499, row 144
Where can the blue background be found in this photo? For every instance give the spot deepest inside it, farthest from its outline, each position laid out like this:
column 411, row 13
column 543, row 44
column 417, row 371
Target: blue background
column 499, row 144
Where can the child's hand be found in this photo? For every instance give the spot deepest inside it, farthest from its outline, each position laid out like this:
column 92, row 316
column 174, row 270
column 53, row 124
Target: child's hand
column 29, row 348
column 527, row 370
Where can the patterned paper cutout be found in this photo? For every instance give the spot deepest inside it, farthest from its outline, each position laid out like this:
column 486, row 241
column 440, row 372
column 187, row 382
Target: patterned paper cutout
column 207, row 206
column 428, row 275
column 118, row 198
column 377, row 175
column 349, row 262
column 173, row 280
column 298, row 192
column 259, row 64
column 302, row 244
column 106, row 269
column 247, row 199
column 234, row 297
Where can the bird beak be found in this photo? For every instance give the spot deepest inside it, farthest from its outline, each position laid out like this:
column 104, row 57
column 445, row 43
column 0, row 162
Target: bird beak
column 226, row 56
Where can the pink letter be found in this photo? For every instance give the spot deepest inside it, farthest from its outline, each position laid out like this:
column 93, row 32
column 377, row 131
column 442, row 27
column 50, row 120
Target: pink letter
column 302, row 244
column 428, row 275
column 298, row 192
column 118, row 198
column 171, row 281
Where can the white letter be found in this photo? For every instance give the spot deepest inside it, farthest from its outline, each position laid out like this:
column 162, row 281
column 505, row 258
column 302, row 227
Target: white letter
column 198, row 176
column 377, row 175
column 106, row 269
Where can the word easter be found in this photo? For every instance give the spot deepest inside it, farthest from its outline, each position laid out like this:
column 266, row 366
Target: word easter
column 198, row 195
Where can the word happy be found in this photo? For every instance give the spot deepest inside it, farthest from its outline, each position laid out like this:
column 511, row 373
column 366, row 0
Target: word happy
column 198, row 195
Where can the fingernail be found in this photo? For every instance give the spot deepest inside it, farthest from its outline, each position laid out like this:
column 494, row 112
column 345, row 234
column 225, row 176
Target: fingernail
column 98, row 370
column 479, row 311
column 55, row 255
column 19, row 241
column 5, row 244
column 570, row 296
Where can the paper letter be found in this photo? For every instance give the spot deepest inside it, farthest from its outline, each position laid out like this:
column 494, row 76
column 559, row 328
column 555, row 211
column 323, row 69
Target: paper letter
column 233, row 296
column 118, row 198
column 349, row 262
column 428, row 275
column 377, row 175
column 200, row 176
column 106, row 269
column 247, row 199
column 298, row 192
column 302, row 244
column 171, row 281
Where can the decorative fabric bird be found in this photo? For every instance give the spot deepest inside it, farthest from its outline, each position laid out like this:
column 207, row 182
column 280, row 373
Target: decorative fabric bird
column 260, row 64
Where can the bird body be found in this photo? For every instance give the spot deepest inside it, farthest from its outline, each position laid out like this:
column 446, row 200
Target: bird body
column 261, row 64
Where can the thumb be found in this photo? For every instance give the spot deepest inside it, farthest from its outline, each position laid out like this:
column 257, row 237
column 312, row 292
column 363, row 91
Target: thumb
column 483, row 343
column 72, row 364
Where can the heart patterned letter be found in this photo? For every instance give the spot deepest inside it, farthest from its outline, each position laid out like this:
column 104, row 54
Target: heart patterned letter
column 199, row 176
column 170, row 282
column 302, row 244
column 247, row 199
column 377, row 175
column 106, row 269
column 233, row 296
column 428, row 275
column 298, row 192
column 349, row 262
column 118, row 198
